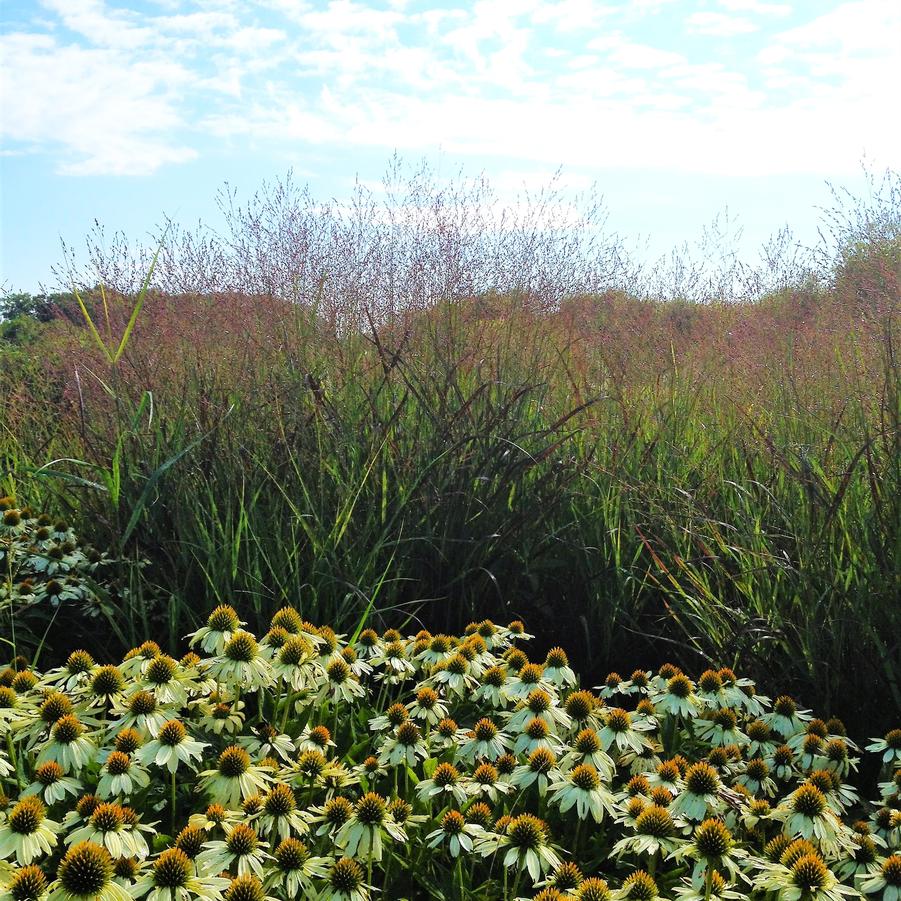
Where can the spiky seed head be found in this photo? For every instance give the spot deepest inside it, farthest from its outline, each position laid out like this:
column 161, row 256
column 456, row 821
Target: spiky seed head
column 516, row 659
column 108, row 817
column 55, row 706
column 291, row 854
column 809, row 801
column 680, row 686
column 338, row 810
column 635, row 806
column 86, row 805
column 526, row 832
column 587, row 742
column 726, row 718
column 812, row 744
column 702, row 779
column 660, row 796
column 580, row 705
column 242, row 647
column 655, row 821
column 85, row 870
column 551, row 893
column 445, row 774
column 783, row 755
column 117, row 764
column 79, row 662
column 776, row 847
column 785, row 705
column 172, row 733
column 346, row 875
column 710, row 681
column 107, row 681
column 485, row 774
column 505, row 764
column 427, row 697
column 836, row 726
column 542, row 760
column 288, row 619
column 537, row 729
column 408, row 733
column 162, row 670
column 48, row 773
column 245, row 888
column 821, row 779
column 668, row 771
column 556, row 658
column 480, row 814
column 23, row 681
column 795, row 850
column 567, row 877
column 757, row 769
column 241, row 840
column 27, row 815
column 713, row 839
column 190, row 841
column 280, row 801
column 396, row 714
column 618, row 720
column 758, row 731
column 311, row 763
column 216, row 813
column 172, row 869
column 128, row 741
column 718, row 757
column 538, row 701
column 585, row 777
column 370, row 809
column 27, row 884
column 142, row 703
column 809, row 873
column 234, row 761
column 638, row 785
column 484, row 730
column 531, row 674
column 891, row 870
column 252, row 805
column 640, row 886
column 67, row 729
column 593, row 889
column 400, row 810
column 452, row 822
column 223, row 619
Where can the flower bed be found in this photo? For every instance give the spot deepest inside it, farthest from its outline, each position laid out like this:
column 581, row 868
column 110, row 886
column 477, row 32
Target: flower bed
column 303, row 765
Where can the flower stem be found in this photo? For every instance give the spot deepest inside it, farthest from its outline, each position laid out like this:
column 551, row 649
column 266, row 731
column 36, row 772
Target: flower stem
column 172, row 801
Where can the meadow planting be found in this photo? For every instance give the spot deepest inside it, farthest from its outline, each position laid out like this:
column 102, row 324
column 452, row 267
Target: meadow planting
column 409, row 418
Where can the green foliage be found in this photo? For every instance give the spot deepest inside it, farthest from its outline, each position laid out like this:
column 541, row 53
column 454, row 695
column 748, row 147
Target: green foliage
column 429, row 766
column 635, row 494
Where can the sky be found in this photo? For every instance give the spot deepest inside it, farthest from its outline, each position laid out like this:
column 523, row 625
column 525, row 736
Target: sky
column 129, row 112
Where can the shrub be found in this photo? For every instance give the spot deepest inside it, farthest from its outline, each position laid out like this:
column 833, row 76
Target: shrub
column 303, row 765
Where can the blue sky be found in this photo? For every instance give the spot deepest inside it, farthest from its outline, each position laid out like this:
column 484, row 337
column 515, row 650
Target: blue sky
column 125, row 112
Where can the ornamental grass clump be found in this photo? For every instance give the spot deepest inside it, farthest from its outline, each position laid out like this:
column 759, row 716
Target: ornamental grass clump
column 304, row 764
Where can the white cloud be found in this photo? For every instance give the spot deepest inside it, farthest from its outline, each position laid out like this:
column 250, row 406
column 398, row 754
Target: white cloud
column 757, row 7
column 720, row 25
column 543, row 81
column 107, row 117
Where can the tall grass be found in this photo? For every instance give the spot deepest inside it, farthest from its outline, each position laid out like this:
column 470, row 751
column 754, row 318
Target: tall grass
column 640, row 478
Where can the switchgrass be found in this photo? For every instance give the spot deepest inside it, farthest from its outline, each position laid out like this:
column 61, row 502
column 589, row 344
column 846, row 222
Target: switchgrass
column 368, row 431
column 463, row 465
